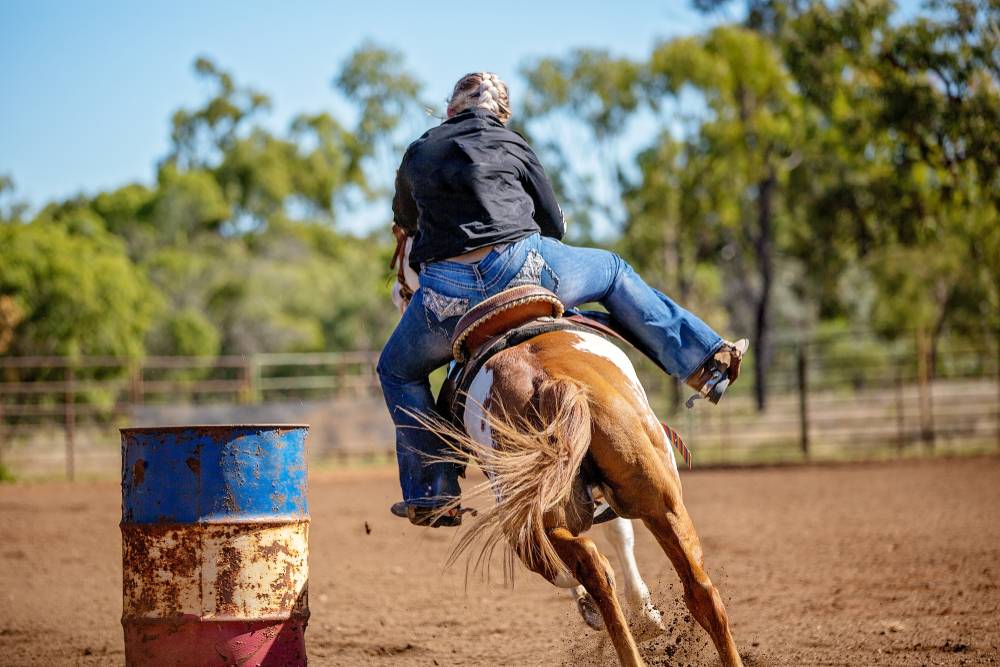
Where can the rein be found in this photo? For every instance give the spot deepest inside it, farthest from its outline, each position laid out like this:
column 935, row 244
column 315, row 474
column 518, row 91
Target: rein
column 397, row 261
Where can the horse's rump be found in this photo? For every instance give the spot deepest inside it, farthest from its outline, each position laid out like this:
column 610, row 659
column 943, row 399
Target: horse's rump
column 531, row 460
column 528, row 423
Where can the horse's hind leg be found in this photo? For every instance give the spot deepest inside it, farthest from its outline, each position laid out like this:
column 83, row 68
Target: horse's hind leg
column 675, row 533
column 588, row 608
column 622, row 539
column 592, row 570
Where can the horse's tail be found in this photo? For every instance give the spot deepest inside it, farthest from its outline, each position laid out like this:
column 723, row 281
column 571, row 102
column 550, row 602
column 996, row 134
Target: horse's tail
column 530, row 467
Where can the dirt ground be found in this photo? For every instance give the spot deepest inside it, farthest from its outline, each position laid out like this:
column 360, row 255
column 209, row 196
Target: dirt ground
column 893, row 563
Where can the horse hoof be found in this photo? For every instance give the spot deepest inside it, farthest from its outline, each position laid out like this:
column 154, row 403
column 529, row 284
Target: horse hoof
column 648, row 623
column 589, row 611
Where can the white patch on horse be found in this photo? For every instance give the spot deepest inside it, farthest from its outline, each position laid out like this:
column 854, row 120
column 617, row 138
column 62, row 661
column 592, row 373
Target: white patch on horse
column 621, row 536
column 397, row 298
column 475, row 418
column 602, row 347
column 477, row 425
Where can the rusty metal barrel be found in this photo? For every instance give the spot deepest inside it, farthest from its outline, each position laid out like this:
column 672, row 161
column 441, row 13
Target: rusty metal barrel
column 215, row 531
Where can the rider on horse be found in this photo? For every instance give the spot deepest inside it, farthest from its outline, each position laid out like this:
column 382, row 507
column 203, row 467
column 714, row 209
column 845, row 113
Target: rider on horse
column 483, row 217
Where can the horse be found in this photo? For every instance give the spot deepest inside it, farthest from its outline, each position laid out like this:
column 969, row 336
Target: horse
column 555, row 421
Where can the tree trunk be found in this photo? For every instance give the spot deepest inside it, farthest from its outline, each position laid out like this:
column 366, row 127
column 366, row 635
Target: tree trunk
column 764, row 251
column 673, row 274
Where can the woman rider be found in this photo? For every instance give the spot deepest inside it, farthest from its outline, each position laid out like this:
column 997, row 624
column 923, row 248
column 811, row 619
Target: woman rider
column 484, row 217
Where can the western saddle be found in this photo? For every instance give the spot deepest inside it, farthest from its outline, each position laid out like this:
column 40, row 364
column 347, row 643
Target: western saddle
column 501, row 321
column 499, row 314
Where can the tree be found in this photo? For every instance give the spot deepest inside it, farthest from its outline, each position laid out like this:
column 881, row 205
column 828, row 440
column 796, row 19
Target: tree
column 717, row 190
column 907, row 178
column 73, row 294
column 748, row 146
column 824, row 143
column 600, row 93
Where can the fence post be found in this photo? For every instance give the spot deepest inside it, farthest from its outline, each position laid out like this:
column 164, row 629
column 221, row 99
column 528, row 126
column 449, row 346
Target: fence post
column 69, row 416
column 3, row 428
column 803, row 400
column 249, row 384
column 135, row 383
column 924, row 389
column 998, row 388
column 900, row 417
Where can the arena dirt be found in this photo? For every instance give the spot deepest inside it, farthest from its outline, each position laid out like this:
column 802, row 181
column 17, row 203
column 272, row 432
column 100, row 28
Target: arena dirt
column 895, row 563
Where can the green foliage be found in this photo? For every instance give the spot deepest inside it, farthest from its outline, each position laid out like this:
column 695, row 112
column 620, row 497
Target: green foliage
column 11, row 210
column 836, row 146
column 6, row 476
column 189, row 332
column 835, row 169
column 76, row 293
column 375, row 79
column 601, row 90
column 859, row 360
column 199, row 135
column 232, row 251
column 187, row 204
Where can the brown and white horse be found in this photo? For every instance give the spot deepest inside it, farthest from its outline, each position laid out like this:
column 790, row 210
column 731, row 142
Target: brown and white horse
column 535, row 413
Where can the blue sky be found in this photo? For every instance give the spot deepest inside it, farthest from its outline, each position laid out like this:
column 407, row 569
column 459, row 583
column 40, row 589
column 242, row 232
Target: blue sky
column 87, row 88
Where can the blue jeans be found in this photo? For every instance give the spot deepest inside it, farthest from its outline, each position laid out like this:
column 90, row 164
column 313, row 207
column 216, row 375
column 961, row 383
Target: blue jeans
column 421, row 343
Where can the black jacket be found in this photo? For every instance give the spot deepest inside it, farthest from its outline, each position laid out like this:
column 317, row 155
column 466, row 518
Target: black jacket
column 471, row 182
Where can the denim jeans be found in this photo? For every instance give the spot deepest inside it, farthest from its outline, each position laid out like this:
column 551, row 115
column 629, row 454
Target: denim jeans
column 421, row 343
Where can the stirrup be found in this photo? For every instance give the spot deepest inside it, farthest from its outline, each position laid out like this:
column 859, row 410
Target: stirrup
column 720, row 373
column 714, row 394
column 430, row 516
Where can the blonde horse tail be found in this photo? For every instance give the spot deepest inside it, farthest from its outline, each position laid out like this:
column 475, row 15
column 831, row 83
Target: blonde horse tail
column 530, row 468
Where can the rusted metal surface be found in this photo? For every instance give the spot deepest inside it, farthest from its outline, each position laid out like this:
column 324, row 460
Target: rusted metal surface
column 215, row 545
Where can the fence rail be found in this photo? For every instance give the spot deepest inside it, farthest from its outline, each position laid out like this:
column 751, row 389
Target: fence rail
column 823, row 401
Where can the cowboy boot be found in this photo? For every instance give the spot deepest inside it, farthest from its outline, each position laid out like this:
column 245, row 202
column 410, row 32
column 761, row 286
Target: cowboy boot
column 428, row 516
column 720, row 370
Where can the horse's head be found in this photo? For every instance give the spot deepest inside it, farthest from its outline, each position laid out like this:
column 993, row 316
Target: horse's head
column 407, row 280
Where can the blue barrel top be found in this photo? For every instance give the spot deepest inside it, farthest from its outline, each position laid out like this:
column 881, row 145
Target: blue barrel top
column 185, row 474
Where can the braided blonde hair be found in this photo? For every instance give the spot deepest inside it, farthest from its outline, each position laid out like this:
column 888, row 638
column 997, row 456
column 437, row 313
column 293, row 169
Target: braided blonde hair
column 484, row 90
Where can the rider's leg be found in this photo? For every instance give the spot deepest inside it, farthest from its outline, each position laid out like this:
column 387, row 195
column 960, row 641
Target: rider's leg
column 679, row 340
column 413, row 351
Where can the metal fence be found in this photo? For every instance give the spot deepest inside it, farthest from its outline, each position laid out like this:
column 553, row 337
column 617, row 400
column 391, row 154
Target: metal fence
column 43, row 396
column 848, row 395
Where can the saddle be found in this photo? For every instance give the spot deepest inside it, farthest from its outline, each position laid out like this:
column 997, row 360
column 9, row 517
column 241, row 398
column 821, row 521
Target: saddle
column 499, row 314
column 503, row 321
column 500, row 322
